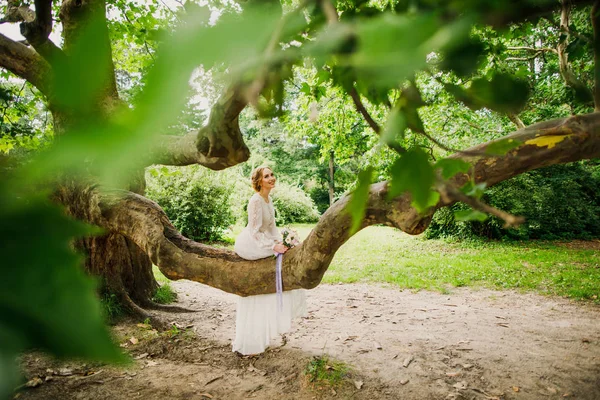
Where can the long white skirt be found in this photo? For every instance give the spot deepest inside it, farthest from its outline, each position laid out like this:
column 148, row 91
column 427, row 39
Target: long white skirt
column 258, row 320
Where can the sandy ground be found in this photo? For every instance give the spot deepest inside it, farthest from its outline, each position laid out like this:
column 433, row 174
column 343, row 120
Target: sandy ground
column 470, row 344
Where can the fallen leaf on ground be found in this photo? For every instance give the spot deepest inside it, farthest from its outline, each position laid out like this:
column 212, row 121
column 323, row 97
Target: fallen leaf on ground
column 516, row 388
column 358, row 384
column 133, row 340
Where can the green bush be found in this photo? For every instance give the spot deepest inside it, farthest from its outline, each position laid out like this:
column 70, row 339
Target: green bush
column 196, row 200
column 558, row 202
column 293, row 205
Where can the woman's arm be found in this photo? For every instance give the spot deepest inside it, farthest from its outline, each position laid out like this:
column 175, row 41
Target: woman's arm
column 255, row 219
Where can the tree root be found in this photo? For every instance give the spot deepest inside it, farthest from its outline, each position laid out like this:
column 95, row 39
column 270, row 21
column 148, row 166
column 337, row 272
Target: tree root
column 163, row 307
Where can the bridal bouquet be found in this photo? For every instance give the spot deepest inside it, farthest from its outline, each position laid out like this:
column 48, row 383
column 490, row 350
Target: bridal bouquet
column 290, row 238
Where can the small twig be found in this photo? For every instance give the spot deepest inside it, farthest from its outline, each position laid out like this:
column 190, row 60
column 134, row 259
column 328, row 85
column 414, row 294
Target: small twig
column 329, row 11
column 534, row 49
column 454, row 193
column 361, row 109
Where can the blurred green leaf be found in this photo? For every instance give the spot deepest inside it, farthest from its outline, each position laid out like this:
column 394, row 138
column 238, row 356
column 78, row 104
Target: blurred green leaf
column 502, row 146
column 358, row 202
column 503, row 93
column 464, row 58
column 46, row 300
column 392, row 47
column 452, row 166
column 394, row 126
column 412, row 172
column 474, row 189
column 470, row 215
column 90, row 57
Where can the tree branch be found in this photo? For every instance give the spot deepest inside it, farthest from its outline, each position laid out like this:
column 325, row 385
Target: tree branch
column 514, row 118
column 566, row 71
column 217, row 145
column 17, row 13
column 35, row 27
column 25, row 63
column 533, row 49
column 363, row 111
column 143, row 222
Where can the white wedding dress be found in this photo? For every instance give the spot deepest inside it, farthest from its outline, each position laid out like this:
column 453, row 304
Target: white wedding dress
column 258, row 320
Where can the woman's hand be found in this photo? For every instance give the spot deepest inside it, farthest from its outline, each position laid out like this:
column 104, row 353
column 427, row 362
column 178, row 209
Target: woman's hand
column 280, row 248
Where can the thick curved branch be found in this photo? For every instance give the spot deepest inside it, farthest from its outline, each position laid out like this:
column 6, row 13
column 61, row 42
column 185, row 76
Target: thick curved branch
column 35, row 27
column 217, row 145
column 142, row 221
column 25, row 63
column 566, row 71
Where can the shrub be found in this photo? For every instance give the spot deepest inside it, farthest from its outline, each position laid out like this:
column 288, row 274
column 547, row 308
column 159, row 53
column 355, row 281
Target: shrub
column 196, row 200
column 558, row 202
column 293, row 205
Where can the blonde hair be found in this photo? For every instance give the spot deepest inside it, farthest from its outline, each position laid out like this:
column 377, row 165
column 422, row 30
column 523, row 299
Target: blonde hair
column 256, row 177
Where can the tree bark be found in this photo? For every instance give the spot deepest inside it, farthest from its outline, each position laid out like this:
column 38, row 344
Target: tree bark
column 581, row 90
column 143, row 222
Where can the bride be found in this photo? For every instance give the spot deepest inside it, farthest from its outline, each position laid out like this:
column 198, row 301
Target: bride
column 258, row 319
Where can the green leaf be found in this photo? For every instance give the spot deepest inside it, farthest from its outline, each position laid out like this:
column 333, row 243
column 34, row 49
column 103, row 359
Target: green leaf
column 394, row 126
column 474, row 190
column 412, row 172
column 392, row 47
column 305, row 88
column 503, row 93
column 452, row 166
column 47, row 302
column 470, row 215
column 464, row 58
column 432, row 200
column 323, row 76
column 357, row 205
column 502, row 146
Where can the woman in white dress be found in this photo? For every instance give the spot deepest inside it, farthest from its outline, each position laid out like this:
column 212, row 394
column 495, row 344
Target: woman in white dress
column 258, row 318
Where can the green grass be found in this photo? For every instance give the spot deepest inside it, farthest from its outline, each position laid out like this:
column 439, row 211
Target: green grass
column 383, row 254
column 165, row 293
column 321, row 370
column 111, row 307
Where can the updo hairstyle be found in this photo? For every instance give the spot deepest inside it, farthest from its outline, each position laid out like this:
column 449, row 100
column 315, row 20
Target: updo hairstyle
column 257, row 176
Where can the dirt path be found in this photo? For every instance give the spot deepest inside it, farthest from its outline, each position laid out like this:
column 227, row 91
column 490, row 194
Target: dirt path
column 470, row 344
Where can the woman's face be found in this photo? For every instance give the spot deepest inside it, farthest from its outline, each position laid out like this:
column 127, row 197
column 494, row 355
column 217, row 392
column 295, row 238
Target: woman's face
column 268, row 179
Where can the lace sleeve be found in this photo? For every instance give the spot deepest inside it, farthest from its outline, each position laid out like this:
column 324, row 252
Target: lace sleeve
column 255, row 220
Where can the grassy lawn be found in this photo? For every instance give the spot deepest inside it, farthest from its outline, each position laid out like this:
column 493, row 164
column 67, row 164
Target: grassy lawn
column 382, row 254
